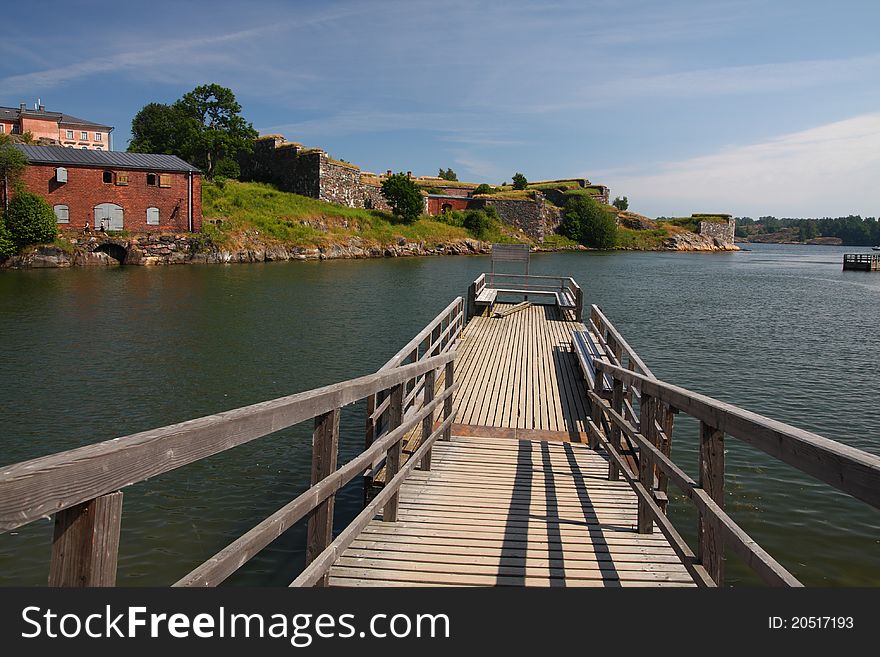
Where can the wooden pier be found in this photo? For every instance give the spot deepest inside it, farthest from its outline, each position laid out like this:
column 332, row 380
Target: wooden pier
column 861, row 261
column 511, row 442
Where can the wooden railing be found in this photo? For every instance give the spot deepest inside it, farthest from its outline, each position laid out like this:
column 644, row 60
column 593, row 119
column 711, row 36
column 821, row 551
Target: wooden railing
column 82, row 487
column 438, row 337
column 524, row 284
column 850, row 470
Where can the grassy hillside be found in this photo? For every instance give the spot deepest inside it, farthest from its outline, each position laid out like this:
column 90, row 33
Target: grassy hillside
column 244, row 211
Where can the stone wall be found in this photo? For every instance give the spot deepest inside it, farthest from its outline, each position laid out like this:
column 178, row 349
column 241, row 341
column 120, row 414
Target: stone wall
column 529, row 215
column 721, row 232
column 309, row 172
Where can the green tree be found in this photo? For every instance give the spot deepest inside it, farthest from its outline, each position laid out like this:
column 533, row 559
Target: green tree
column 519, row 181
column 12, row 165
column 7, row 244
column 808, row 230
column 586, row 221
column 479, row 222
column 483, row 188
column 447, row 174
column 204, row 127
column 30, row 219
column 621, row 203
column 403, row 196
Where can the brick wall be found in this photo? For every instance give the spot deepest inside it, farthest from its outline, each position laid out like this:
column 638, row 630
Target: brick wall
column 85, row 189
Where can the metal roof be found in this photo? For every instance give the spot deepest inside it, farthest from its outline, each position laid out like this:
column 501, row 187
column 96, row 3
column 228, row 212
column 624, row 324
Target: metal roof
column 110, row 159
column 14, row 113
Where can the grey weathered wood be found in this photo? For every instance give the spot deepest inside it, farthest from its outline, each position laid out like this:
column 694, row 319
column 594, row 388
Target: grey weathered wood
column 49, row 484
column 711, row 467
column 614, row 439
column 428, row 422
column 85, row 546
column 314, row 571
column 765, row 566
column 602, row 323
column 392, row 462
column 231, row 558
column 646, row 462
column 851, row 470
column 448, row 382
column 325, row 447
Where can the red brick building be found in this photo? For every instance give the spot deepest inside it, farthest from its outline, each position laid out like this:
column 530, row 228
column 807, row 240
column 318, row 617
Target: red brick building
column 55, row 127
column 137, row 192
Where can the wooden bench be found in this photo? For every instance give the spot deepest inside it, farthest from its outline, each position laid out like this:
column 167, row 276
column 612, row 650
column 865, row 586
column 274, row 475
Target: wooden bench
column 587, row 350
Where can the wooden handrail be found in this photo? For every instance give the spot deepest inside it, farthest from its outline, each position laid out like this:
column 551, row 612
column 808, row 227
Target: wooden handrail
column 223, row 564
column 771, row 571
column 602, row 323
column 846, row 468
column 49, row 484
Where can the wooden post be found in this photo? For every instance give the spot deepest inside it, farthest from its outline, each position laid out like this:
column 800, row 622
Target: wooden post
column 596, row 410
column 392, row 462
column 448, row 378
column 85, row 547
column 325, row 447
column 711, row 544
column 617, row 406
column 666, row 418
column 646, row 463
column 428, row 422
column 370, row 433
column 471, row 301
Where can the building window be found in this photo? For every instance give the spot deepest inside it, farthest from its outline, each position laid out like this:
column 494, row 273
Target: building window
column 70, row 134
column 84, row 135
column 61, row 175
column 99, row 136
column 85, row 148
column 121, row 178
column 62, row 214
column 152, row 179
column 153, row 216
column 108, row 177
column 99, row 148
column 164, row 180
column 2, row 128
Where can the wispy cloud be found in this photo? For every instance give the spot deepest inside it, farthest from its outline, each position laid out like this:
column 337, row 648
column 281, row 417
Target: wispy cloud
column 827, row 170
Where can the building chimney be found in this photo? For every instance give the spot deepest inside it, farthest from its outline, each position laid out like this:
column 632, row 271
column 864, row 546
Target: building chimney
column 388, row 173
column 22, row 107
column 42, row 108
column 409, row 174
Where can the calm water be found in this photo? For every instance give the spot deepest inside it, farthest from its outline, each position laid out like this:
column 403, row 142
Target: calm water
column 90, row 355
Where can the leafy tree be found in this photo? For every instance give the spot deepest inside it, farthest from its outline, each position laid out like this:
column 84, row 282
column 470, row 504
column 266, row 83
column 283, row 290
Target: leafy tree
column 448, row 174
column 204, row 127
column 519, row 181
column 7, row 244
column 30, row 219
column 479, row 223
column 621, row 203
column 403, row 196
column 12, row 165
column 808, row 230
column 587, row 222
column 483, row 188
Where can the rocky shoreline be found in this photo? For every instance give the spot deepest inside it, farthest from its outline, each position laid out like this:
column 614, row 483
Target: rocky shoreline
column 196, row 249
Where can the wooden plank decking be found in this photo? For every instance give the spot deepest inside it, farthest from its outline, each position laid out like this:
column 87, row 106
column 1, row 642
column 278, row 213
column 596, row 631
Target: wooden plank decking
column 516, row 498
column 519, row 372
column 503, row 512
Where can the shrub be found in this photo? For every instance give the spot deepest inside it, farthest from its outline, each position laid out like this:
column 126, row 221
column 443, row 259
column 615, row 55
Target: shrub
column 7, row 245
column 621, row 203
column 479, row 223
column 519, row 181
column 483, row 188
column 587, row 222
column 403, row 196
column 30, row 220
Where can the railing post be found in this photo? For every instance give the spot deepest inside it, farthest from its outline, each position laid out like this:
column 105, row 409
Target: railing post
column 647, row 413
column 617, row 405
column 428, row 422
column 325, row 447
column 370, row 432
column 711, row 543
column 392, row 462
column 85, row 547
column 666, row 419
column 448, row 379
column 471, row 301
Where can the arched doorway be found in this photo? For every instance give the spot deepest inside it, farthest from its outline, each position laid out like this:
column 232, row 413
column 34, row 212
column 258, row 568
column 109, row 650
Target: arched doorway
column 110, row 216
column 115, row 251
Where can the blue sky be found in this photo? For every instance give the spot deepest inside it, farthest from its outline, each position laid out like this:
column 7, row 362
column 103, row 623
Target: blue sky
column 749, row 106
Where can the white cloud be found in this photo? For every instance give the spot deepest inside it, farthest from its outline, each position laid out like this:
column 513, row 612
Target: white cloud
column 829, row 170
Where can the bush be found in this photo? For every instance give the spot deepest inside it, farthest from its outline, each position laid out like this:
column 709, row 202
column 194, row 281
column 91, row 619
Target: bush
column 227, row 168
column 621, row 203
column 30, row 220
column 478, row 223
column 587, row 222
column 483, row 188
column 519, row 181
column 403, row 196
column 7, row 245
